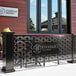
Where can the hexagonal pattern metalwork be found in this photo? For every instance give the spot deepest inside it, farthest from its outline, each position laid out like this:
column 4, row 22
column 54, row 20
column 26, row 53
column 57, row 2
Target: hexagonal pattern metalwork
column 30, row 48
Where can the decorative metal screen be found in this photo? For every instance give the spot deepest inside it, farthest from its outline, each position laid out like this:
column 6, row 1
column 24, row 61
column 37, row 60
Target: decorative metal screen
column 41, row 48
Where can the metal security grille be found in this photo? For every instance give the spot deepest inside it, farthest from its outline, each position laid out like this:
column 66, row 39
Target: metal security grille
column 36, row 49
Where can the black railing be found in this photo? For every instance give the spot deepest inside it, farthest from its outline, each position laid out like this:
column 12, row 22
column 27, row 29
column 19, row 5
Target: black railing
column 37, row 49
column 30, row 48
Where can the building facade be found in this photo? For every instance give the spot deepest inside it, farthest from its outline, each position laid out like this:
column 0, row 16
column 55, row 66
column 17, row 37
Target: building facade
column 19, row 24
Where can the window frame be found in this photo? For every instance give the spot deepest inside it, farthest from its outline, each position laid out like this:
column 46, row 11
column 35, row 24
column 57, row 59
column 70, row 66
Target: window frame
column 38, row 18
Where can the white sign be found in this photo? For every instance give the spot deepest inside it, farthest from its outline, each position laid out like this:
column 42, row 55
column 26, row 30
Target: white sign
column 6, row 11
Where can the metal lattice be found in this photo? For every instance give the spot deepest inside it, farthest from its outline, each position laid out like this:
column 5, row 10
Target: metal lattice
column 31, row 48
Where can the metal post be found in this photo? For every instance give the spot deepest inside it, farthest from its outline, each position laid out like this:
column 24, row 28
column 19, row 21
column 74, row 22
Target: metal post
column 73, row 49
column 8, row 49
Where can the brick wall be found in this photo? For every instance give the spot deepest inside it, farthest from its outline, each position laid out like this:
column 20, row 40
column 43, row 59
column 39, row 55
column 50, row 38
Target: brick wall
column 19, row 24
column 73, row 16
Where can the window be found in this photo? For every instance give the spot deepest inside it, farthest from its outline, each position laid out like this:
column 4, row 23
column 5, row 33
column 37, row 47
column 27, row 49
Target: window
column 47, row 16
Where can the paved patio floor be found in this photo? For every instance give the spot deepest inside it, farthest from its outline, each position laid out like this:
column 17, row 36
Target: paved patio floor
column 51, row 69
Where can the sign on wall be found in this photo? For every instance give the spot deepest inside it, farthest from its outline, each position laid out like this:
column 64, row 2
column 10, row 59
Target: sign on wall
column 6, row 11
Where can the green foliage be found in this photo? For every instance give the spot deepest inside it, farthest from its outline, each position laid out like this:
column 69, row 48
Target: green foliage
column 32, row 27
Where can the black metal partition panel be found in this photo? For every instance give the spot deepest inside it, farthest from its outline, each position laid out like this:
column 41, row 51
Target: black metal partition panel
column 25, row 50
column 34, row 49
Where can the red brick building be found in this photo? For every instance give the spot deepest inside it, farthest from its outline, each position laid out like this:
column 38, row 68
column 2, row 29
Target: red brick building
column 19, row 24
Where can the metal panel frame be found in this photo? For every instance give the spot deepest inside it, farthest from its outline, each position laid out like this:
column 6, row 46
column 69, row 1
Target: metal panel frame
column 50, row 15
column 59, row 16
column 38, row 15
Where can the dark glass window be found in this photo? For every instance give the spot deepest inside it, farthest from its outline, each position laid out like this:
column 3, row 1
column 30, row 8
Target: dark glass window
column 47, row 16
